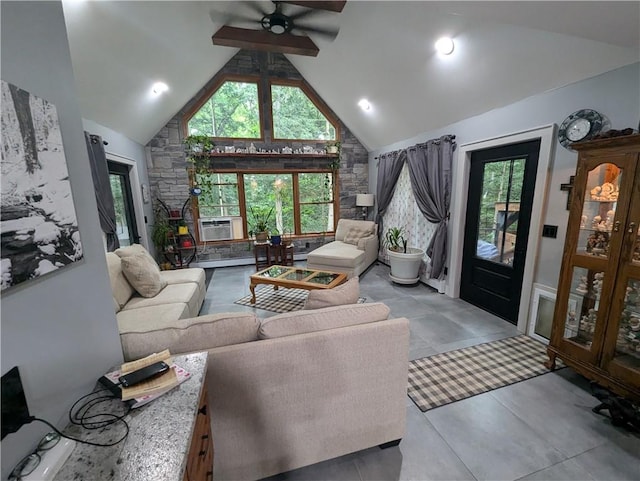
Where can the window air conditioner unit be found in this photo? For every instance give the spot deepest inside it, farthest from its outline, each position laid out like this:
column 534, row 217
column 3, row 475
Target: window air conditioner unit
column 215, row 228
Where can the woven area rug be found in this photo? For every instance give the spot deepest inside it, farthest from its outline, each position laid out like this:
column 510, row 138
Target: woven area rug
column 282, row 300
column 451, row 376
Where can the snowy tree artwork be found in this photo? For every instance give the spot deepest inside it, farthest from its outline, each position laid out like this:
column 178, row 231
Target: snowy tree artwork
column 39, row 226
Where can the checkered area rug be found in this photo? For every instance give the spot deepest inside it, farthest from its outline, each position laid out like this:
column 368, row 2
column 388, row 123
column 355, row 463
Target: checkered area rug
column 451, row 376
column 282, row 300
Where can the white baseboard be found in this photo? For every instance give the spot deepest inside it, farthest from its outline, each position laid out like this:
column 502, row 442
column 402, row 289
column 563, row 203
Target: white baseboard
column 241, row 261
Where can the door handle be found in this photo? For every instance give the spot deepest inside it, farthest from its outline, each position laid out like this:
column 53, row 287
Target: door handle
column 632, row 228
column 616, row 226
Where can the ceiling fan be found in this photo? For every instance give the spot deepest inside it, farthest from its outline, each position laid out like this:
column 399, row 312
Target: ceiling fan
column 277, row 27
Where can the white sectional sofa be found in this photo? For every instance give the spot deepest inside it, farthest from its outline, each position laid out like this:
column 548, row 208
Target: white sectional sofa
column 293, row 389
column 354, row 249
column 181, row 297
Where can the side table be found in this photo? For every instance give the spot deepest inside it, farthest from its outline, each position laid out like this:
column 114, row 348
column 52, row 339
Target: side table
column 267, row 255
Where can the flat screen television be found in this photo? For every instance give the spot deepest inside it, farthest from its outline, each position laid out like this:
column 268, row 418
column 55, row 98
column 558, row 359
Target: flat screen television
column 15, row 412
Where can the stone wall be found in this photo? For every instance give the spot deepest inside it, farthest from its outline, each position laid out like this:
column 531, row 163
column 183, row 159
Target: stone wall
column 167, row 163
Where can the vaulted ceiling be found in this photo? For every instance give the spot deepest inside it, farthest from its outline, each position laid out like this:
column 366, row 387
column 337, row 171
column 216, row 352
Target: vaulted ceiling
column 505, row 51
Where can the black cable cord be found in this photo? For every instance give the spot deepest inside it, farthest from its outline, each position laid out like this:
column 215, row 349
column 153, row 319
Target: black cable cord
column 82, row 418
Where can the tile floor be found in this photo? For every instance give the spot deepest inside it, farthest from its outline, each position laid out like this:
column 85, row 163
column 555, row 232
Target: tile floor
column 540, row 429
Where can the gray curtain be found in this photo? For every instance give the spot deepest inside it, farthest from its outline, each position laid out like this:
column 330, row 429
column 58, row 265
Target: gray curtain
column 430, row 173
column 104, row 197
column 389, row 168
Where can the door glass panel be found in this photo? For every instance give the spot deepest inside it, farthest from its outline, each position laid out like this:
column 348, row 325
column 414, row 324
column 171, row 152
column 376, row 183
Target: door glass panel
column 599, row 210
column 123, row 229
column 499, row 210
column 628, row 340
column 584, row 301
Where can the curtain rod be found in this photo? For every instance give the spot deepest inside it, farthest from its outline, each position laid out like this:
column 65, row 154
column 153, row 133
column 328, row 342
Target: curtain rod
column 94, row 139
column 449, row 137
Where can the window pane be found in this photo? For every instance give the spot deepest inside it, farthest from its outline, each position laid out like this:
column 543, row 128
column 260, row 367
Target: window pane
column 270, row 193
column 316, row 218
column 296, row 117
column 316, row 187
column 232, row 111
column 219, row 196
column 500, row 209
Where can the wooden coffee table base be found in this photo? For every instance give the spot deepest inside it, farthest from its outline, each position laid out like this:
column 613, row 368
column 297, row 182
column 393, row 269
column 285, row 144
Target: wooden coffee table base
column 295, row 278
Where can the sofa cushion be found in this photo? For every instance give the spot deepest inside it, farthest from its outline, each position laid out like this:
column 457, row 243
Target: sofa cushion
column 132, row 250
column 301, row 322
column 173, row 293
column 336, row 254
column 145, row 334
column 160, row 314
column 180, row 276
column 345, row 225
column 355, row 234
column 120, row 287
column 143, row 274
column 347, row 293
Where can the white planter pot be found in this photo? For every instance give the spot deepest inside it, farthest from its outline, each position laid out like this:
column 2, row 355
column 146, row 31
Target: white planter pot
column 405, row 266
column 332, row 149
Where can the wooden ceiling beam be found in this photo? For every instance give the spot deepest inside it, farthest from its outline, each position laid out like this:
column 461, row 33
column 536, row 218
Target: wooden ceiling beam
column 332, row 6
column 262, row 40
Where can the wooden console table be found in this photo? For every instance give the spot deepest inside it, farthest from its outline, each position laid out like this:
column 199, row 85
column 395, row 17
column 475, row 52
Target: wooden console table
column 169, row 438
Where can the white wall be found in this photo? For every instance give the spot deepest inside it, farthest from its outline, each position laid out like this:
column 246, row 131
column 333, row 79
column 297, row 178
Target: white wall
column 59, row 329
column 615, row 94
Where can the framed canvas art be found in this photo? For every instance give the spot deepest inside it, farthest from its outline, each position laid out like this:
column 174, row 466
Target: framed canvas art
column 39, row 226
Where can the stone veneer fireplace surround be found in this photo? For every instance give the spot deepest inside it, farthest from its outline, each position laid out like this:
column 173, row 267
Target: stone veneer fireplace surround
column 167, row 165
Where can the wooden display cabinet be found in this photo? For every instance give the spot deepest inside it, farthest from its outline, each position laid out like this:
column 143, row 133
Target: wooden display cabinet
column 596, row 326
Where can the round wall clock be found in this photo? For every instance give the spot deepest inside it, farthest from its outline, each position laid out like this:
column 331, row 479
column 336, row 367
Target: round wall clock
column 580, row 125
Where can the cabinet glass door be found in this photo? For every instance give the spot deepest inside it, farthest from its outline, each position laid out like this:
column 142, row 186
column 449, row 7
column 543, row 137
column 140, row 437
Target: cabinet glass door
column 599, row 210
column 582, row 307
column 627, row 350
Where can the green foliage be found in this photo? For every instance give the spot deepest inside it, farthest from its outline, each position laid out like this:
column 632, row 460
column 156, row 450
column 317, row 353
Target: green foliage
column 394, row 239
column 261, row 219
column 198, row 148
column 495, row 189
column 232, row 111
column 219, row 196
column 161, row 230
column 295, row 116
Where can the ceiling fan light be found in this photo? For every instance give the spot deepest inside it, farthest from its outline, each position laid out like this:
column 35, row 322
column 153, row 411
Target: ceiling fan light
column 445, row 46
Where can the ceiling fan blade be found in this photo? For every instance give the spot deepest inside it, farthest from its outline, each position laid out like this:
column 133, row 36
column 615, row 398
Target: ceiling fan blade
column 329, row 33
column 266, row 41
column 332, row 6
column 304, row 13
column 228, row 17
column 255, row 6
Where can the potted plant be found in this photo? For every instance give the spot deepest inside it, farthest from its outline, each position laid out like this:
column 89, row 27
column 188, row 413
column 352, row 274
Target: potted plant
column 160, row 233
column 260, row 226
column 333, row 147
column 198, row 148
column 404, row 261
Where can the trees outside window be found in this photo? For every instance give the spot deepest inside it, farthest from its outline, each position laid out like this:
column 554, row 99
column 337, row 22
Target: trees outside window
column 263, row 192
column 295, row 116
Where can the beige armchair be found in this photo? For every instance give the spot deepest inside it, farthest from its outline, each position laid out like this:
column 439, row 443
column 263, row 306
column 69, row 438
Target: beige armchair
column 354, row 249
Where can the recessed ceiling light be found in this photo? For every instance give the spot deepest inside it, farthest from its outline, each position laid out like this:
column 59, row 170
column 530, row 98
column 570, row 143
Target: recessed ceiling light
column 159, row 88
column 364, row 105
column 444, row 45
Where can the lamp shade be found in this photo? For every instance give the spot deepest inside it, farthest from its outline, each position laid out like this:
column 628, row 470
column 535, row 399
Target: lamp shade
column 364, row 200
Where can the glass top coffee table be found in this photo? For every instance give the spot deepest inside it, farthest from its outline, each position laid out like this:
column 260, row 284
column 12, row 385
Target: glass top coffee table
column 295, row 278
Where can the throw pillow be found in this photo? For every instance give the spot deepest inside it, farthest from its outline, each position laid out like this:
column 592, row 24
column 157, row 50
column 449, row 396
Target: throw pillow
column 355, row 234
column 132, row 250
column 347, row 293
column 143, row 274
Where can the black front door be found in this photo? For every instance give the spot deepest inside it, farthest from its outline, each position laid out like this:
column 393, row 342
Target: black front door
column 501, row 188
column 126, row 226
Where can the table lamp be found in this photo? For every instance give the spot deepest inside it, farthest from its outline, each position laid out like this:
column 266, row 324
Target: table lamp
column 364, row 201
